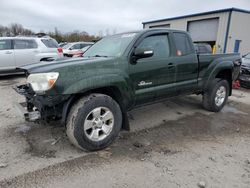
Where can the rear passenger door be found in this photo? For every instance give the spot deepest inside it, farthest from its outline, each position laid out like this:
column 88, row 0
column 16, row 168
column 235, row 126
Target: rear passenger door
column 7, row 60
column 25, row 51
column 186, row 62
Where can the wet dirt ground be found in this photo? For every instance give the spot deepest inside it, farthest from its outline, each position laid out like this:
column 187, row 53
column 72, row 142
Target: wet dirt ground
column 172, row 144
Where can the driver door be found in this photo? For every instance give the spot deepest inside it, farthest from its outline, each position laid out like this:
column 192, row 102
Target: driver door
column 148, row 74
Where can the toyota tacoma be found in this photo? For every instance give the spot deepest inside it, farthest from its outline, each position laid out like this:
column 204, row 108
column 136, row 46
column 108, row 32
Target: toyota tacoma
column 92, row 95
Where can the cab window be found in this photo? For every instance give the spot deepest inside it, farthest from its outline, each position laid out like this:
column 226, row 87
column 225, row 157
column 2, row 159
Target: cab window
column 182, row 44
column 158, row 43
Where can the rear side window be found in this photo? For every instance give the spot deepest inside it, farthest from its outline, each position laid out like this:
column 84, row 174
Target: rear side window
column 158, row 43
column 50, row 43
column 24, row 44
column 182, row 44
column 5, row 44
column 84, row 45
column 76, row 47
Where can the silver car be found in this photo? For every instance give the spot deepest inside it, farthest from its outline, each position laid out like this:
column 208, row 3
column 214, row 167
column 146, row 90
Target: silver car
column 19, row 51
column 71, row 48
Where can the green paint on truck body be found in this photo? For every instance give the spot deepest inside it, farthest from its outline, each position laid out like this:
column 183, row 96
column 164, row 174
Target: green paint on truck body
column 147, row 80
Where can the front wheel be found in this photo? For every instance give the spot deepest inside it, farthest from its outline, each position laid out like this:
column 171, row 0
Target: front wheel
column 94, row 122
column 215, row 98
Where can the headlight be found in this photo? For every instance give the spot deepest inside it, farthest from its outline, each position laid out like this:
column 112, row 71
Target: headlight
column 41, row 82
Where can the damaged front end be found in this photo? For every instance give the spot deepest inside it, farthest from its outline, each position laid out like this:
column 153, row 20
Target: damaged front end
column 38, row 108
column 40, row 105
column 245, row 76
column 27, row 108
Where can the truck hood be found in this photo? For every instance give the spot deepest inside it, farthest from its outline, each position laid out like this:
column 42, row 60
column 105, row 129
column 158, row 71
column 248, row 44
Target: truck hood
column 43, row 67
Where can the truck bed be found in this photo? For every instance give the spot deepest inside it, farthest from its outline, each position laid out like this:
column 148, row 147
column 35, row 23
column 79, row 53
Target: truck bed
column 207, row 61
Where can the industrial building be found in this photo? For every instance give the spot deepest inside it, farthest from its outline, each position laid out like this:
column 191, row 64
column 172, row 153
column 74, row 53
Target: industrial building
column 227, row 30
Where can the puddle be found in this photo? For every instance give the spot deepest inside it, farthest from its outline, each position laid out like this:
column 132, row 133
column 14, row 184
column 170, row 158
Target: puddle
column 229, row 109
column 41, row 151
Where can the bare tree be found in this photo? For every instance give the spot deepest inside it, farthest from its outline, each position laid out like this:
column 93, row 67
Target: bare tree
column 17, row 29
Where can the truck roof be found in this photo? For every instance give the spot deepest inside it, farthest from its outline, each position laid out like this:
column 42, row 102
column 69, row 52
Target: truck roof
column 153, row 29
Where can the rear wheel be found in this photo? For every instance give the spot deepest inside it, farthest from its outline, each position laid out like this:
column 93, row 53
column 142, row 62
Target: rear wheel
column 94, row 122
column 215, row 98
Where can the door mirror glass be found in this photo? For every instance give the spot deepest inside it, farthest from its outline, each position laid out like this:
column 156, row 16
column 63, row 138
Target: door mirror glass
column 143, row 53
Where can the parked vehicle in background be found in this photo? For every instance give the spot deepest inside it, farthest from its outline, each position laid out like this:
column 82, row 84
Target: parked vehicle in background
column 92, row 95
column 20, row 51
column 81, row 51
column 71, row 48
column 62, row 44
column 203, row 48
column 245, row 72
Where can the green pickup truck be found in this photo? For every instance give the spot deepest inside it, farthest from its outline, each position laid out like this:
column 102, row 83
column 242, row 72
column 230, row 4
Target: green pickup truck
column 92, row 95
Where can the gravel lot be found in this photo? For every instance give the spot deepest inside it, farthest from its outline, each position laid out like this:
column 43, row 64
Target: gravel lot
column 172, row 144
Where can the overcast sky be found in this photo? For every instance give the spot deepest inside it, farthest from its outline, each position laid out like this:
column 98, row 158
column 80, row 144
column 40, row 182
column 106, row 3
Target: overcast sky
column 94, row 16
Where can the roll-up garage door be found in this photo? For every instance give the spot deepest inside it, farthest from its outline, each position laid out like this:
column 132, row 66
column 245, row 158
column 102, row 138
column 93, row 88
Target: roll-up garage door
column 203, row 30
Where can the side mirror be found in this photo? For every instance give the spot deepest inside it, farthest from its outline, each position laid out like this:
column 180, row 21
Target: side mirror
column 140, row 53
column 143, row 53
column 70, row 48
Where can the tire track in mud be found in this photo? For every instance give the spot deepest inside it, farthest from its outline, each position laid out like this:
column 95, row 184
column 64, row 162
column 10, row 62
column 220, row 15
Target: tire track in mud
column 168, row 139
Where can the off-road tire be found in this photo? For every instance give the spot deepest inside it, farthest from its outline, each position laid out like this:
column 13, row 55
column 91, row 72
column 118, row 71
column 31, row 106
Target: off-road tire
column 209, row 95
column 78, row 114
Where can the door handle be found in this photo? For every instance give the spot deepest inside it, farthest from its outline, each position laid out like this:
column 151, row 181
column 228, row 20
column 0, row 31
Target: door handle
column 8, row 52
column 170, row 65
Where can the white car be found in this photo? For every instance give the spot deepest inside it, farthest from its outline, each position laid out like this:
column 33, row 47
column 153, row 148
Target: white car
column 71, row 48
column 19, row 51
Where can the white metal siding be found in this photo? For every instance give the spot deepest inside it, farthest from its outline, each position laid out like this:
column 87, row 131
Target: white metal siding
column 204, row 30
column 181, row 24
column 239, row 30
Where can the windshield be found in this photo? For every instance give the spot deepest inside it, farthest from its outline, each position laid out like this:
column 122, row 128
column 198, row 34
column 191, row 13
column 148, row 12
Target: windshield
column 247, row 56
column 67, row 46
column 85, row 48
column 111, row 46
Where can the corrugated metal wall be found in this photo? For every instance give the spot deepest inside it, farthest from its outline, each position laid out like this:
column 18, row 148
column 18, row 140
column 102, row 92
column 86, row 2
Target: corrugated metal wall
column 182, row 24
column 239, row 30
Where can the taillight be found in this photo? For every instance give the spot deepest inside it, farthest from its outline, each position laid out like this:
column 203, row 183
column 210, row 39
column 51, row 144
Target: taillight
column 60, row 50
